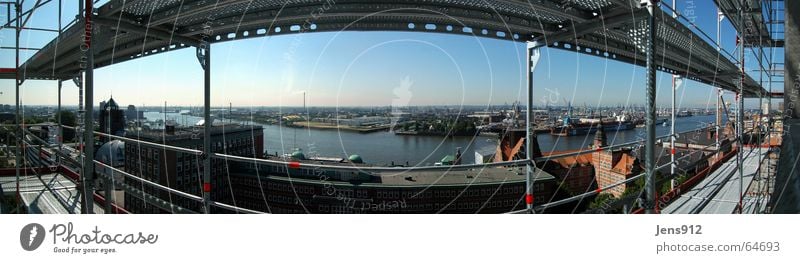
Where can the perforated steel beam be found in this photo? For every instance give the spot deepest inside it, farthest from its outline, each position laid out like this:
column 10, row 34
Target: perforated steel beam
column 164, row 35
column 511, row 20
column 601, row 22
column 650, row 110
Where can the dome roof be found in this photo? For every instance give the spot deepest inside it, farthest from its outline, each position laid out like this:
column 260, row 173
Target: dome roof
column 112, row 153
column 298, row 154
column 355, row 158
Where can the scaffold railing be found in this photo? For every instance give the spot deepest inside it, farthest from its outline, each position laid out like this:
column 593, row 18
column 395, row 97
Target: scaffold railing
column 177, row 209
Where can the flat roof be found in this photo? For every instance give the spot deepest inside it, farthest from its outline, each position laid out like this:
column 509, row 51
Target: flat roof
column 194, row 132
column 485, row 176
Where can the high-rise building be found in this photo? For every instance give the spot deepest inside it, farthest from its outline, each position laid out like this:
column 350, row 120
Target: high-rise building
column 182, row 171
column 130, row 113
column 112, row 120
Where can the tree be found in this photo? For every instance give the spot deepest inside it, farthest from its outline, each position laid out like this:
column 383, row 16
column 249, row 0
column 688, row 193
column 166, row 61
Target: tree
column 68, row 119
column 601, row 200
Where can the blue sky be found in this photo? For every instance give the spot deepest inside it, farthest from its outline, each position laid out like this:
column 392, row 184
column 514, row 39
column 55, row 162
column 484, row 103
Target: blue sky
column 365, row 69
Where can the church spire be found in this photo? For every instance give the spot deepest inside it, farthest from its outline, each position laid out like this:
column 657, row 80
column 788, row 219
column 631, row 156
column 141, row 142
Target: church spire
column 600, row 136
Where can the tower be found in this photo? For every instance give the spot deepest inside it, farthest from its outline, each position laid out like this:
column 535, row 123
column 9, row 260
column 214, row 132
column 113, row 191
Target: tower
column 610, row 165
column 599, row 137
column 112, row 120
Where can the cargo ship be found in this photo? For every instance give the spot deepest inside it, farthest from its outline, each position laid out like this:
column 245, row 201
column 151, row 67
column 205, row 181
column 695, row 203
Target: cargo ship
column 572, row 127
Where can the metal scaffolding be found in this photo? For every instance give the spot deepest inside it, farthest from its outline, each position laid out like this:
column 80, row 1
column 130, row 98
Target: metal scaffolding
column 611, row 34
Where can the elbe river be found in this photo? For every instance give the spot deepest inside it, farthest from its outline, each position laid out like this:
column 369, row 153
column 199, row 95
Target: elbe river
column 383, row 148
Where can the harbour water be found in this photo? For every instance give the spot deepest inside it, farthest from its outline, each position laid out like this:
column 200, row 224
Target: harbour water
column 385, row 148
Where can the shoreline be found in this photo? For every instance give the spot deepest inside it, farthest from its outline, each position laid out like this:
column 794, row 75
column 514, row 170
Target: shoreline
column 324, row 126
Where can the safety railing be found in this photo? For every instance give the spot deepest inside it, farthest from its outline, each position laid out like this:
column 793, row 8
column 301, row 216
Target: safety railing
column 296, row 164
column 613, row 185
column 133, row 190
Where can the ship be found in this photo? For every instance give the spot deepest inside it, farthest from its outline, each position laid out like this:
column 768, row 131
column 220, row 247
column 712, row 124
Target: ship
column 572, row 127
column 684, row 113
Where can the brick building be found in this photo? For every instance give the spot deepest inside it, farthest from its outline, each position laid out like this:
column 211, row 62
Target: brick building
column 612, row 166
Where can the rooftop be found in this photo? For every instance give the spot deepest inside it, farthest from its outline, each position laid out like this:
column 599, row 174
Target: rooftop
column 187, row 133
column 476, row 176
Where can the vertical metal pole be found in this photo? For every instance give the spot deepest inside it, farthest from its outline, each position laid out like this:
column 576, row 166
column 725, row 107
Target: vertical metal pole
column 672, row 126
column 207, row 127
column 674, row 9
column 719, row 90
column 718, row 120
column 650, row 115
column 18, row 130
column 531, row 59
column 760, row 106
column 740, row 161
column 88, row 149
column 528, row 139
column 60, row 126
column 740, row 140
column 672, row 135
column 79, row 128
column 720, row 16
column 769, row 97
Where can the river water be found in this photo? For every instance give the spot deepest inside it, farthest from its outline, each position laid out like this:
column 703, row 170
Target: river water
column 383, row 148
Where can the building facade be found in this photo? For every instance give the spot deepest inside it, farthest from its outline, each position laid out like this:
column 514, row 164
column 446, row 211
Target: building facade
column 613, row 166
column 183, row 171
column 111, row 120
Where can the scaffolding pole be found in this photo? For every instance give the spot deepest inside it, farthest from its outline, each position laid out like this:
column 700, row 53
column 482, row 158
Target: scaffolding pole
column 740, row 112
column 718, row 121
column 760, row 107
column 18, row 130
column 672, row 135
column 650, row 115
column 676, row 83
column 88, row 140
column 720, row 17
column 204, row 56
column 532, row 58
column 60, row 128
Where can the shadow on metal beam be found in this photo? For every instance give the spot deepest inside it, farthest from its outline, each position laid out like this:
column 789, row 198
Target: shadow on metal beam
column 786, row 198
